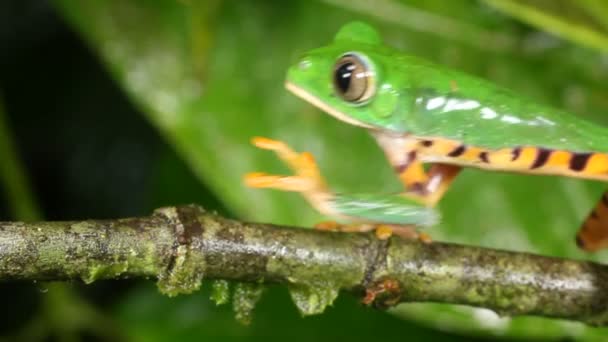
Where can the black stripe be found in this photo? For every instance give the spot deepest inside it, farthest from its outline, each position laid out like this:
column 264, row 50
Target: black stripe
column 515, row 153
column 593, row 214
column 427, row 143
column 579, row 161
column 605, row 199
column 483, row 156
column 418, row 188
column 457, row 151
column 411, row 156
column 579, row 242
column 542, row 155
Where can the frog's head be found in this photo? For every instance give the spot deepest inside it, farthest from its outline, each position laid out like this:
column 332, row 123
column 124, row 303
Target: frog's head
column 351, row 79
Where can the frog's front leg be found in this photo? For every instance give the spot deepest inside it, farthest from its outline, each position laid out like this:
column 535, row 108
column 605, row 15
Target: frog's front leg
column 386, row 214
column 307, row 179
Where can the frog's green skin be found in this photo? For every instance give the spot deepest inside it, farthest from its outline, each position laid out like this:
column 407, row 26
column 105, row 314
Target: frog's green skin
column 417, row 97
column 383, row 208
column 421, row 112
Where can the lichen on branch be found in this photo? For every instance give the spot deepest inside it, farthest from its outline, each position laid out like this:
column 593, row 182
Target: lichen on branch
column 182, row 246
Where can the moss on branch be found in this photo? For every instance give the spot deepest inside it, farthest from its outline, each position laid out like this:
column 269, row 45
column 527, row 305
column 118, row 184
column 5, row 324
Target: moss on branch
column 180, row 246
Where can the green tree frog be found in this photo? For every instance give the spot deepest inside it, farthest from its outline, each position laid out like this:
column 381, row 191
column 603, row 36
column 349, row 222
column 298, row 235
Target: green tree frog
column 424, row 113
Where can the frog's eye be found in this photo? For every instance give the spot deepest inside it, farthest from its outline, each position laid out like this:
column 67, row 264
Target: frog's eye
column 353, row 79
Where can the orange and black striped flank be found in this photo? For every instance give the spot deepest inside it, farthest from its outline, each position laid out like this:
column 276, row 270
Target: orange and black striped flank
column 522, row 159
column 593, row 234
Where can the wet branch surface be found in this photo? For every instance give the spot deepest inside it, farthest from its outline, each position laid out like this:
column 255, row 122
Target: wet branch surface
column 180, row 246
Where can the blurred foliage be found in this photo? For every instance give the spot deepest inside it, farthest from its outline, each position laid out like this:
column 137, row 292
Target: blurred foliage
column 208, row 75
column 583, row 22
column 13, row 176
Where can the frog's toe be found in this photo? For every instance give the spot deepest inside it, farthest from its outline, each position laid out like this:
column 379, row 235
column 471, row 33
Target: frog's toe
column 269, row 144
column 327, row 225
column 287, row 183
column 385, row 231
column 344, row 228
column 425, row 237
column 301, row 163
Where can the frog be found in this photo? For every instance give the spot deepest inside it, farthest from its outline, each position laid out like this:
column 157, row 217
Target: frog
column 431, row 122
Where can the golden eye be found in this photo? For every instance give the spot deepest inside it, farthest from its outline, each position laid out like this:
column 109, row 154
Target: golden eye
column 353, row 79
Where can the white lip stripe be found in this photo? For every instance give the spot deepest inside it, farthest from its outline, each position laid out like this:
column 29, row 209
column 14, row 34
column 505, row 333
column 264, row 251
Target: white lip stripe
column 303, row 94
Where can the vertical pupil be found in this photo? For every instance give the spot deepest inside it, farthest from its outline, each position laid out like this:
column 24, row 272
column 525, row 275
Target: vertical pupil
column 344, row 75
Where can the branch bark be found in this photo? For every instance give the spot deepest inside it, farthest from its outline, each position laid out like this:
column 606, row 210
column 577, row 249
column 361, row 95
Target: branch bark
column 181, row 245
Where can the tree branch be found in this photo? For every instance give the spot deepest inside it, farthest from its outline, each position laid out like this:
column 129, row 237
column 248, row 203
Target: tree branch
column 180, row 245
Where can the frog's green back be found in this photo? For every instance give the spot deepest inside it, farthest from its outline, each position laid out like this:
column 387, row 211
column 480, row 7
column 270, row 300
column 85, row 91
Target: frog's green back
column 424, row 99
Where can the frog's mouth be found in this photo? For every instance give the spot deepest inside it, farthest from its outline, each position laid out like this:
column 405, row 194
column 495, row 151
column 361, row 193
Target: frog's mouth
column 307, row 96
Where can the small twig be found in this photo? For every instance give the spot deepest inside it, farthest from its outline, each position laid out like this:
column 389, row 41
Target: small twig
column 180, row 245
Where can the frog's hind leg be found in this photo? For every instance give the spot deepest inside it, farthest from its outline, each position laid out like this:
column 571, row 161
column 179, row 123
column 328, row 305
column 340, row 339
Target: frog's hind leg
column 440, row 177
column 406, row 156
column 593, row 234
column 428, row 187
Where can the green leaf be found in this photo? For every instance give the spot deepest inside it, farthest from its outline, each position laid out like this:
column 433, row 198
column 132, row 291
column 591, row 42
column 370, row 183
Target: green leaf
column 584, row 22
column 209, row 76
column 12, row 176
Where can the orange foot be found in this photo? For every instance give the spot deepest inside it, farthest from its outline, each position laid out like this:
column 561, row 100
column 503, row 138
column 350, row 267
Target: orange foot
column 307, row 178
column 383, row 231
